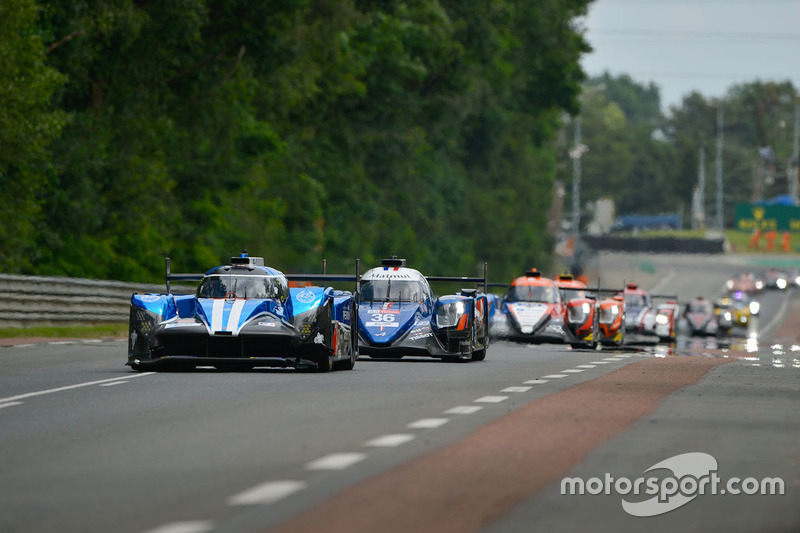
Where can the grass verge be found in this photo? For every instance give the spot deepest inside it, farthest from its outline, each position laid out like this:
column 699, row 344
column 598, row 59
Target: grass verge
column 82, row 332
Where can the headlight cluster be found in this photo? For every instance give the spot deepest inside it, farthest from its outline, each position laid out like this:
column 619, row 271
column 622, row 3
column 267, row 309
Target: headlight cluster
column 448, row 314
column 754, row 308
column 578, row 313
column 662, row 320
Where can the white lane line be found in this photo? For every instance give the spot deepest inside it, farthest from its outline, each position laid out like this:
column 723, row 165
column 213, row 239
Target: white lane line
column 536, row 381
column 23, row 345
column 612, row 359
column 189, row 526
column 600, row 363
column 572, row 371
column 624, row 356
column 390, row 441
column 555, row 376
column 113, row 383
column 492, row 399
column 586, row 366
column 516, row 389
column 70, row 387
column 9, row 404
column 266, row 493
column 90, row 341
column 61, row 343
column 336, row 461
column 778, row 316
column 428, row 423
column 464, row 410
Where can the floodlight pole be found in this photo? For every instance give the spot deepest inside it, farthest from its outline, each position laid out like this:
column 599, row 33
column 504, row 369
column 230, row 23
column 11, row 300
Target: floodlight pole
column 720, row 214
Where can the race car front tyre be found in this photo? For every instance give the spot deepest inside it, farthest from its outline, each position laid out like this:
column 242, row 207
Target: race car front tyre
column 479, row 355
column 324, row 363
column 347, row 364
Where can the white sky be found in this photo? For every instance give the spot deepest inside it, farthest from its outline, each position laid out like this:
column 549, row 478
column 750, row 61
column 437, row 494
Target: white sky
column 703, row 45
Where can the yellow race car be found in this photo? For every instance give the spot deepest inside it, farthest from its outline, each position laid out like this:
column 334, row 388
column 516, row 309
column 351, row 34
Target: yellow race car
column 735, row 310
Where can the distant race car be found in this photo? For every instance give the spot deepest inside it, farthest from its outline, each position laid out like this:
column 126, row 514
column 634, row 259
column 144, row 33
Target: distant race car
column 532, row 310
column 399, row 315
column 700, row 317
column 646, row 319
column 746, row 282
column 738, row 309
column 591, row 320
column 244, row 315
column 777, row 279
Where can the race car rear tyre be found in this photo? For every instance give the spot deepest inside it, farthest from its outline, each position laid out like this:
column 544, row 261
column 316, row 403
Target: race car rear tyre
column 324, row 363
column 479, row 355
column 347, row 364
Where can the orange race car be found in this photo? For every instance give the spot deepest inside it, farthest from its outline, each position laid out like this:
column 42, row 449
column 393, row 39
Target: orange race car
column 589, row 319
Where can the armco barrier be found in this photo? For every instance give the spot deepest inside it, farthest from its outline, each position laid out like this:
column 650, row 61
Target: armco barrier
column 27, row 301
column 675, row 245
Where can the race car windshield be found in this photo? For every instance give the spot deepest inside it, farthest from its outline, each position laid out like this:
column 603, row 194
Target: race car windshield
column 392, row 290
column 635, row 300
column 569, row 294
column 698, row 307
column 258, row 287
column 532, row 293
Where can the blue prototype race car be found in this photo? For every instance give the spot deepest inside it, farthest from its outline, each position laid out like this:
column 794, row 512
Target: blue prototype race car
column 244, row 315
column 398, row 315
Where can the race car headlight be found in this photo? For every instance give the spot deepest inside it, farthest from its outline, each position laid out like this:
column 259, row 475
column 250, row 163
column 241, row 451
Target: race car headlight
column 727, row 316
column 662, row 320
column 448, row 314
column 781, row 283
column 754, row 308
column 585, row 307
column 729, row 284
column 760, row 284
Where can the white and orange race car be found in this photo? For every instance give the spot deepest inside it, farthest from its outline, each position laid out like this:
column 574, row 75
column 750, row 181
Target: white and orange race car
column 531, row 310
column 645, row 320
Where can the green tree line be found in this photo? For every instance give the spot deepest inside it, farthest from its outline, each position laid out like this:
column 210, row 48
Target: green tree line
column 131, row 130
column 647, row 159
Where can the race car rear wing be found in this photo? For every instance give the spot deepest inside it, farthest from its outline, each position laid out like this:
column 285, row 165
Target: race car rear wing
column 464, row 279
column 170, row 277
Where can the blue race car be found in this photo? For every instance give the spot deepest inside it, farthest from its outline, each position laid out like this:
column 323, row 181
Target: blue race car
column 398, row 315
column 244, row 315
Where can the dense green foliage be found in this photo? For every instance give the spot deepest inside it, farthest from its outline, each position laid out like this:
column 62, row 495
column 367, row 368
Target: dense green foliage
column 648, row 161
column 299, row 129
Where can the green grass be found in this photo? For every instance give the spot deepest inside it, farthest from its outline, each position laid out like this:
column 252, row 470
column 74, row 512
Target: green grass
column 83, row 332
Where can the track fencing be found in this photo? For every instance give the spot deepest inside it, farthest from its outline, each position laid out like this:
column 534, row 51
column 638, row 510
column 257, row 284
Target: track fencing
column 27, row 301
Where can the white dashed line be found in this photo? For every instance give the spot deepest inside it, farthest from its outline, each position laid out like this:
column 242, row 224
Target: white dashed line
column 23, row 345
column 536, row 381
column 389, row 441
column 625, row 356
column 516, row 389
column 61, row 343
column 112, row 383
column 91, row 341
column 555, row 376
column 572, row 371
column 267, row 493
column 464, row 410
column 428, row 423
column 600, row 363
column 336, row 461
column 70, row 387
column 586, row 366
column 9, row 404
column 612, row 359
column 492, row 399
column 194, row 526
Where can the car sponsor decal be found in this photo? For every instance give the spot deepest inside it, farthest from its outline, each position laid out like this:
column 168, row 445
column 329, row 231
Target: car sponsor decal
column 528, row 315
column 268, row 324
column 306, row 297
column 149, row 297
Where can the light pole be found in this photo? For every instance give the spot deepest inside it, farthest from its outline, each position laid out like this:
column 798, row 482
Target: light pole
column 575, row 154
column 792, row 171
column 720, row 214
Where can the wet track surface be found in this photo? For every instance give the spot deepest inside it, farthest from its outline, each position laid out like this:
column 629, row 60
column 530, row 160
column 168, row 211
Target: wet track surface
column 89, row 445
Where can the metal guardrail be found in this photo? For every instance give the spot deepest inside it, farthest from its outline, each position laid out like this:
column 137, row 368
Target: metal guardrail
column 27, row 301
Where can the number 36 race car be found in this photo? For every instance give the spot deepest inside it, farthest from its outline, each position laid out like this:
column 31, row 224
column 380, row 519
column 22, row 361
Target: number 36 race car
column 399, row 315
column 244, row 315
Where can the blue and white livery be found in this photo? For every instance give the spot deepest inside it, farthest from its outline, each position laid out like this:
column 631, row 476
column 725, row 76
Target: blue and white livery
column 398, row 315
column 244, row 315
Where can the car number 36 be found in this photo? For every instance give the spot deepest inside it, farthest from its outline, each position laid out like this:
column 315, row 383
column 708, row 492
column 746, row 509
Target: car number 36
column 382, row 318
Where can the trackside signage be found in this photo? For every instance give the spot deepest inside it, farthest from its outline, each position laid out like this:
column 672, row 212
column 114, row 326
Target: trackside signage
column 750, row 217
column 693, row 474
